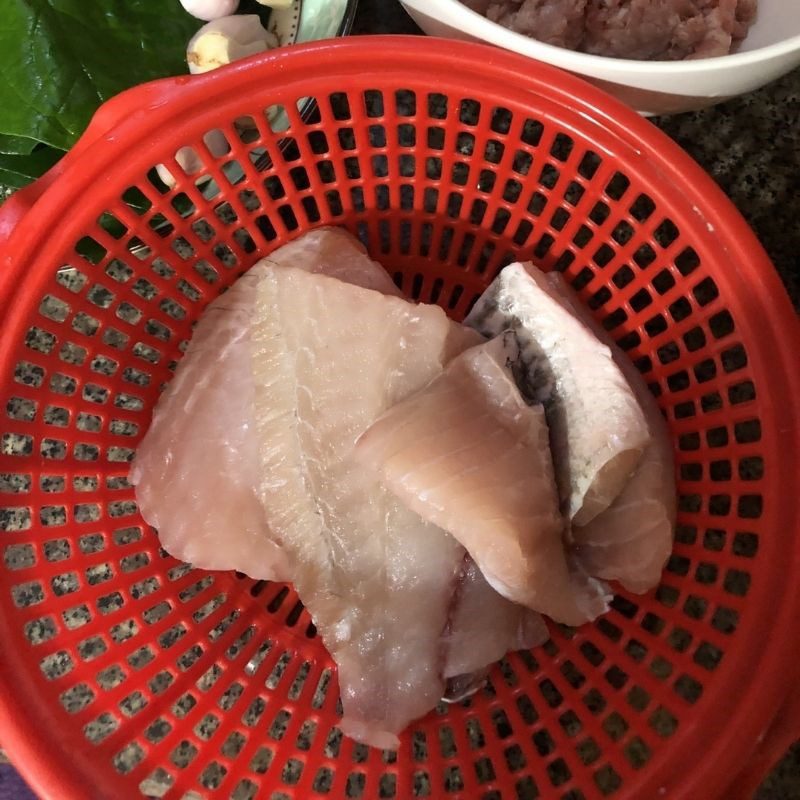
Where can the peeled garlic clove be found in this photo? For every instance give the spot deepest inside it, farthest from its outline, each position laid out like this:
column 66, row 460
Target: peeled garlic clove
column 227, row 39
column 210, row 9
column 190, row 161
column 277, row 3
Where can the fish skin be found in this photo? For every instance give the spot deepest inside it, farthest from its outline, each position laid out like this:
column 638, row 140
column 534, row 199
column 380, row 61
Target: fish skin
column 598, row 431
column 373, row 575
column 470, row 455
column 632, row 539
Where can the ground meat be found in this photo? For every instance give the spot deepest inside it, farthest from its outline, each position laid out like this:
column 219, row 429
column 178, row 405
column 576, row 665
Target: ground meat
column 560, row 22
column 638, row 29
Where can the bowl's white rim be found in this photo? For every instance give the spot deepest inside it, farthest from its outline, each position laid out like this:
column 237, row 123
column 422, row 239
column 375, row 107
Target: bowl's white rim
column 586, row 63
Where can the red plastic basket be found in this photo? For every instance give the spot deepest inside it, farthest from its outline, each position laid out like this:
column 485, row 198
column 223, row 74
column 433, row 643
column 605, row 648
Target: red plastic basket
column 124, row 672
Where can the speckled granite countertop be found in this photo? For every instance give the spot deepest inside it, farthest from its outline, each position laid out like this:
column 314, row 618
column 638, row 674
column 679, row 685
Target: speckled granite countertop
column 751, row 146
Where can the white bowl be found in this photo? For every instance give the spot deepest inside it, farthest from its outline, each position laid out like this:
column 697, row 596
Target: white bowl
column 771, row 49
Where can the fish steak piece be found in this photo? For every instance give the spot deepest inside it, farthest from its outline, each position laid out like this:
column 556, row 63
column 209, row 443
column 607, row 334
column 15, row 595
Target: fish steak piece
column 632, row 539
column 598, row 431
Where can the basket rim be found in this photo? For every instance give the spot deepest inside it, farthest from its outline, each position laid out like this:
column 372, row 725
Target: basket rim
column 139, row 114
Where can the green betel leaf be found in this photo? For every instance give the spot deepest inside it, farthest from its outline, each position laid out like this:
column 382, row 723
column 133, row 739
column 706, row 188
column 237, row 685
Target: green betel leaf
column 19, row 170
column 60, row 59
column 16, row 145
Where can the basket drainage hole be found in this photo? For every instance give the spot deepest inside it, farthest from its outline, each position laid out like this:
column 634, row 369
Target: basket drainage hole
column 607, row 780
column 157, row 783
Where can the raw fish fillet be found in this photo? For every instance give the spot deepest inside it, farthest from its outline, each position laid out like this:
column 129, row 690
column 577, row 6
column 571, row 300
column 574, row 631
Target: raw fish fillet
column 632, row 539
column 328, row 359
column 195, row 470
column 484, row 627
column 197, row 466
column 598, row 431
column 468, row 454
column 337, row 253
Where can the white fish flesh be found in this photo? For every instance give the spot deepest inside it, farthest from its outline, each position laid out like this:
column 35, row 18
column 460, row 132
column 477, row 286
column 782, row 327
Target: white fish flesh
column 470, row 455
column 197, row 480
column 328, row 359
column 482, row 629
column 195, row 469
column 598, row 430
